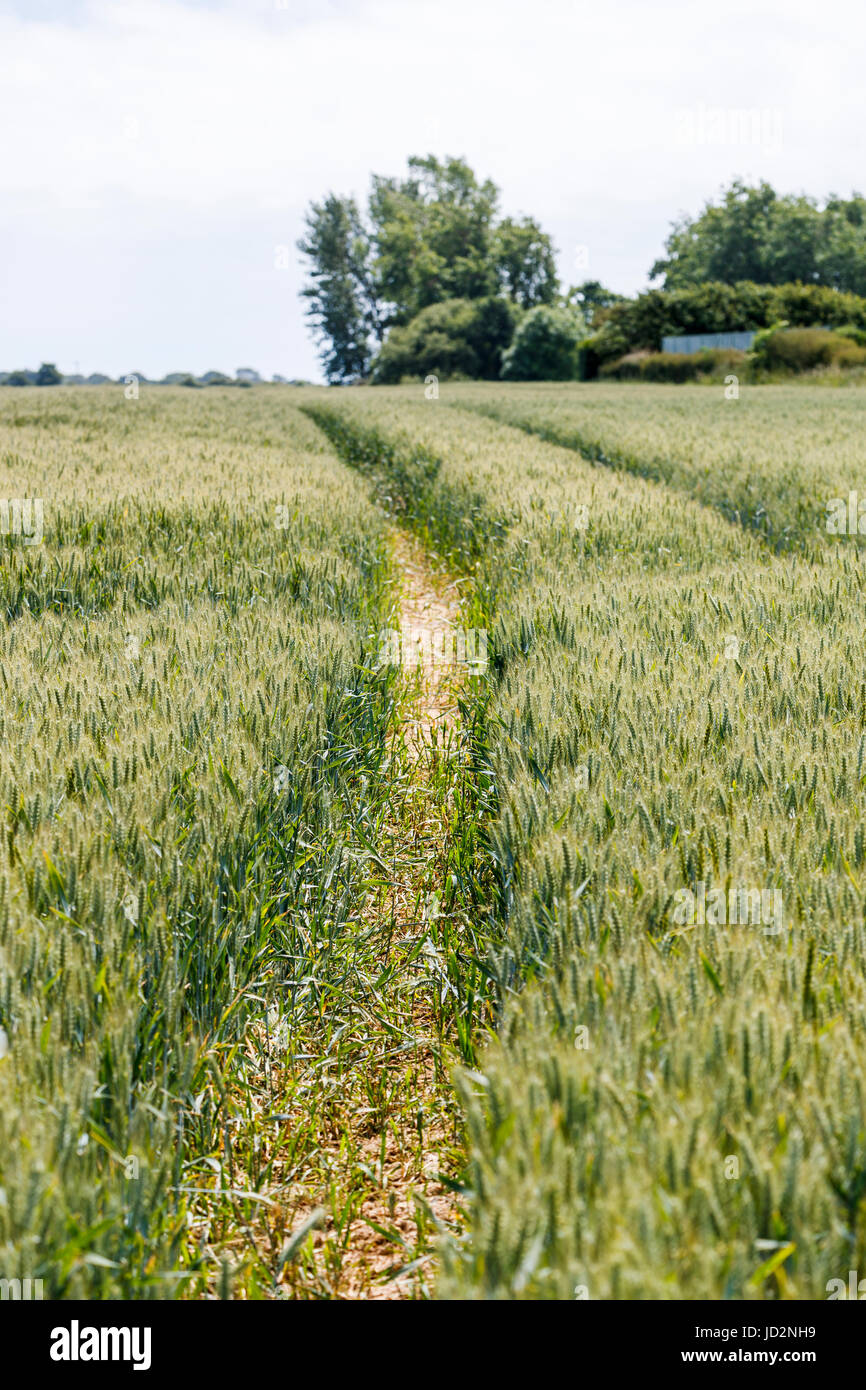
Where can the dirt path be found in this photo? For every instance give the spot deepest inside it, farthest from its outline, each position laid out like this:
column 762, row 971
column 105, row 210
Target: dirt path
column 355, row 1193
column 427, row 614
column 428, row 607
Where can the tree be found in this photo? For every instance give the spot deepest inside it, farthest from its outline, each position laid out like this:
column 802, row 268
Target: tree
column 48, row 375
column 340, row 305
column 524, row 261
column 459, row 337
column 755, row 234
column 591, row 297
column 640, row 324
column 545, row 345
column 842, row 255
column 431, row 236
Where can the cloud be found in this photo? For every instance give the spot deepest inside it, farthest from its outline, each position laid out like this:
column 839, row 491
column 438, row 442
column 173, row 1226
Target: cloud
column 159, row 134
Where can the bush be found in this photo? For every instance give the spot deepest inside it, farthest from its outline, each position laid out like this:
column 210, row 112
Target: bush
column 588, row 361
column 850, row 330
column 545, row 346
column 779, row 348
column 806, row 305
column 457, row 337
column 712, row 308
column 625, row 368
column 641, row 323
column 675, row 366
column 48, row 375
column 709, row 363
column 18, row 378
column 803, row 349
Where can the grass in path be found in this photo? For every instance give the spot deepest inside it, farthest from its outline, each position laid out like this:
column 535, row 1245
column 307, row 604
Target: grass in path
column 346, row 1125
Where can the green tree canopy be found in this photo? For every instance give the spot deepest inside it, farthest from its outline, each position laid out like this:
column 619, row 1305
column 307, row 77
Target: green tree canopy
column 458, row 337
column 524, row 262
column 591, row 297
column 342, row 308
column 545, row 345
column 755, row 234
column 431, row 235
column 429, row 238
column 48, row 375
column 715, row 307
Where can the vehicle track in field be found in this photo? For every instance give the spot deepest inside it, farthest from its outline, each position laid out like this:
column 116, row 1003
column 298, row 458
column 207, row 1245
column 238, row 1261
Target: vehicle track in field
column 427, row 614
column 366, row 1198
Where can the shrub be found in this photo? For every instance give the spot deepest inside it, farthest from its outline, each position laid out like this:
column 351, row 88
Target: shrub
column 806, row 305
column 718, row 308
column 675, row 366
column 850, row 330
column 692, row 366
column 803, row 349
column 625, row 368
column 545, row 345
column 457, row 337
column 712, row 308
column 588, row 361
column 48, row 375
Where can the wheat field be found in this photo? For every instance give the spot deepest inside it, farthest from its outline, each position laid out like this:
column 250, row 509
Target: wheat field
column 672, row 1103
column 643, row 987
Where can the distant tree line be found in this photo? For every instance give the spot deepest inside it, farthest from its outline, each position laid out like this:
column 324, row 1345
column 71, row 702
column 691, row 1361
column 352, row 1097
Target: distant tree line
column 429, row 279
column 757, row 235
column 641, row 323
column 48, row 375
column 428, row 265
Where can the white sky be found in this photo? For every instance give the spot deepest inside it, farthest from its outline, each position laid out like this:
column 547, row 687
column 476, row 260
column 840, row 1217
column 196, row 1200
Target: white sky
column 155, row 153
